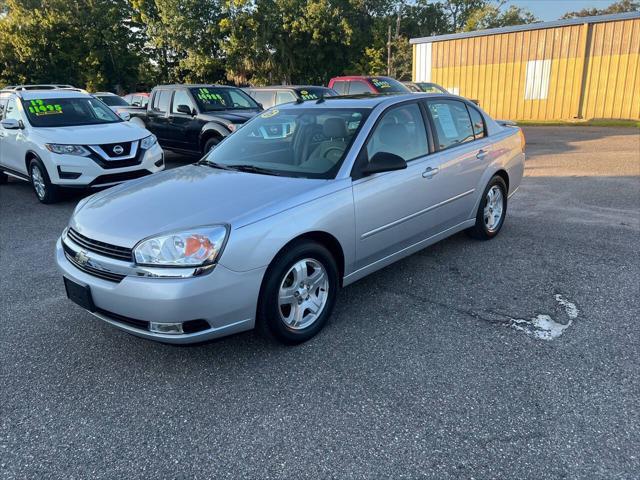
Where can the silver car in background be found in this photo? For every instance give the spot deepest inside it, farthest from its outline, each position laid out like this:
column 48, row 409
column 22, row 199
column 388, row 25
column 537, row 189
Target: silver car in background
column 302, row 200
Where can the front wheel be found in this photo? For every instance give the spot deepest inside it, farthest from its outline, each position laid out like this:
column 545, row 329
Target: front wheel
column 42, row 186
column 298, row 293
column 491, row 211
column 210, row 144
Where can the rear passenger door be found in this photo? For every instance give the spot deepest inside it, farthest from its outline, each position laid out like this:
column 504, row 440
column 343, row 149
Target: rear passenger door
column 463, row 150
column 157, row 116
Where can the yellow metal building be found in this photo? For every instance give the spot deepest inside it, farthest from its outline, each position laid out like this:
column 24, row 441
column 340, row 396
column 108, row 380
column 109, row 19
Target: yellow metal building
column 581, row 68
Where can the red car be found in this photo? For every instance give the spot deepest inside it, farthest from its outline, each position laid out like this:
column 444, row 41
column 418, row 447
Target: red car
column 355, row 84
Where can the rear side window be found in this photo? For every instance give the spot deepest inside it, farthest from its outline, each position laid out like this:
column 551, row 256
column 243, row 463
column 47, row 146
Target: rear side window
column 357, row 87
column 340, row 87
column 161, row 101
column 284, row 96
column 452, row 122
column 265, row 97
column 400, row 131
column 477, row 123
column 11, row 110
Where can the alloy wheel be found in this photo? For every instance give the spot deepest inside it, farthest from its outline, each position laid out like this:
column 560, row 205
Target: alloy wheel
column 494, row 207
column 303, row 294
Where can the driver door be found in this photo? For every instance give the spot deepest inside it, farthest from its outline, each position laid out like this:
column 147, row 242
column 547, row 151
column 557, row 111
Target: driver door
column 13, row 142
column 393, row 210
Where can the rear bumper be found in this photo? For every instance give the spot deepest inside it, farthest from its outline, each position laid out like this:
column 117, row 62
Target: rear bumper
column 225, row 299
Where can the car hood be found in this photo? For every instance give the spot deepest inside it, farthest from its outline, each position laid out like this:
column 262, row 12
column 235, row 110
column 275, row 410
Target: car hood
column 93, row 134
column 239, row 116
column 186, row 197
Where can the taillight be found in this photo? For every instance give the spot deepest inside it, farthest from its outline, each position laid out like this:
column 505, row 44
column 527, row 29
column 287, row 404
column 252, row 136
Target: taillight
column 523, row 141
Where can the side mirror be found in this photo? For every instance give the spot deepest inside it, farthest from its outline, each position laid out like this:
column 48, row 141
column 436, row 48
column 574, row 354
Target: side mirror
column 384, row 162
column 126, row 116
column 12, row 124
column 185, row 109
column 261, row 106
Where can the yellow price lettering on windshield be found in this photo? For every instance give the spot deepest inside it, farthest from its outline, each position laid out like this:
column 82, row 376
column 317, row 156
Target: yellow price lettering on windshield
column 380, row 83
column 208, row 97
column 270, row 113
column 39, row 107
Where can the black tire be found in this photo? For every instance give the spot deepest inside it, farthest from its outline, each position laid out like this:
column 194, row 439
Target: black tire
column 481, row 230
column 4, row 178
column 50, row 193
column 269, row 319
column 209, row 144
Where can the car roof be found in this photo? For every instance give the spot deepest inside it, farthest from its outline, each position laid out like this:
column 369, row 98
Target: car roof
column 288, row 87
column 48, row 94
column 104, row 93
column 193, row 85
column 360, row 77
column 357, row 101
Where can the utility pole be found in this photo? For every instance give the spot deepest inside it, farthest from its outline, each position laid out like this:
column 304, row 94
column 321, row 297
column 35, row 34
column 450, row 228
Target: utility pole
column 389, row 50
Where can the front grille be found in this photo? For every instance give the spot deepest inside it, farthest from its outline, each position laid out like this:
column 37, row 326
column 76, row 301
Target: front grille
column 118, row 177
column 108, row 149
column 112, row 277
column 106, row 249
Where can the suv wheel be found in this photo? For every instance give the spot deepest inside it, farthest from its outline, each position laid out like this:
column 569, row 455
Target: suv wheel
column 209, row 144
column 298, row 294
column 42, row 186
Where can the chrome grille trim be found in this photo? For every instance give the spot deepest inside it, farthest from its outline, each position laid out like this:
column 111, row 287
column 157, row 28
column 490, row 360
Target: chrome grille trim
column 106, row 249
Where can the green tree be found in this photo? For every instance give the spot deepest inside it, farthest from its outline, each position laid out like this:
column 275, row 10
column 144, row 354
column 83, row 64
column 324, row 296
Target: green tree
column 616, row 7
column 493, row 16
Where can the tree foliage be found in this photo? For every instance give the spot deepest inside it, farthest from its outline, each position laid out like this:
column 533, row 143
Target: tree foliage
column 617, row 7
column 122, row 45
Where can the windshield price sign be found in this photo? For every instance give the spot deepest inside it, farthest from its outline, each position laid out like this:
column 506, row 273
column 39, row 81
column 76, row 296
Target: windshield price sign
column 39, row 107
column 209, row 97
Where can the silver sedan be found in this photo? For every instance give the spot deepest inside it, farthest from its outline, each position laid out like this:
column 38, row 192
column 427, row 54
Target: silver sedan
column 304, row 199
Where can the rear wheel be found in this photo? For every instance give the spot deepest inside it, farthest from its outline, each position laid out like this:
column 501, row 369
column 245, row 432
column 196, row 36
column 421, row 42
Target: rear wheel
column 42, row 186
column 298, row 293
column 491, row 211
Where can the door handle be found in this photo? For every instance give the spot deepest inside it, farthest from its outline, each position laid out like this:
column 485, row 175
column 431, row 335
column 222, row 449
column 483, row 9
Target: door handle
column 430, row 172
column 481, row 154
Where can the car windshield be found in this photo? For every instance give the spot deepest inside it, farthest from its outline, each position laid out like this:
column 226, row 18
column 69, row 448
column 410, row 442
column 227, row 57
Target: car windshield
column 295, row 142
column 68, row 112
column 113, row 100
column 314, row 93
column 211, row 99
column 388, row 85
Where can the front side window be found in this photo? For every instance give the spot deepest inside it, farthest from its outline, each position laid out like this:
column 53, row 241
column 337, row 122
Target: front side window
column 357, row 87
column 211, row 99
column 452, row 122
column 340, row 87
column 140, row 101
column 400, row 131
column 181, row 97
column 284, row 96
column 68, row 112
column 296, row 142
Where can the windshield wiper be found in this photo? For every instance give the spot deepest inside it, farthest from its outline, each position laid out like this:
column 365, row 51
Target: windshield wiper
column 253, row 169
column 209, row 163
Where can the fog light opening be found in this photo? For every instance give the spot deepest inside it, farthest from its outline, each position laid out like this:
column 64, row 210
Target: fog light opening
column 166, row 328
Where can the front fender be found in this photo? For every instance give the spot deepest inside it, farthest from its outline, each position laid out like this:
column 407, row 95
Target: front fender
column 213, row 128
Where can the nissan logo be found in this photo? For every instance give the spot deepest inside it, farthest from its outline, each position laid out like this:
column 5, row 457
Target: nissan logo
column 118, row 150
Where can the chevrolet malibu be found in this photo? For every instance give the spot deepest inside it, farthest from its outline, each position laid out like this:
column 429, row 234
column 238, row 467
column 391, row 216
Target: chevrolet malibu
column 304, row 199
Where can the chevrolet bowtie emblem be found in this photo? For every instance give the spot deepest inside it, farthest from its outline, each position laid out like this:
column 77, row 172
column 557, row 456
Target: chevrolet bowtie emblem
column 81, row 258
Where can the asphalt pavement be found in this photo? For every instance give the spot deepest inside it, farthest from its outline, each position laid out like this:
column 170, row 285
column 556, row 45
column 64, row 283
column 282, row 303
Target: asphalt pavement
column 516, row 358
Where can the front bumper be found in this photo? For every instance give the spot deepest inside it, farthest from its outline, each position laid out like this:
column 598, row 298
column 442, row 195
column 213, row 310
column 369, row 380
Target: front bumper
column 61, row 167
column 225, row 299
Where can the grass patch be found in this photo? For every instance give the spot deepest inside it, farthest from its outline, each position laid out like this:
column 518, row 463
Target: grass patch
column 580, row 123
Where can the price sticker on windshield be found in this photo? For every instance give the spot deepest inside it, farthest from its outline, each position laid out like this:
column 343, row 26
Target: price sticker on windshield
column 381, row 83
column 209, row 97
column 308, row 96
column 39, row 107
column 270, row 113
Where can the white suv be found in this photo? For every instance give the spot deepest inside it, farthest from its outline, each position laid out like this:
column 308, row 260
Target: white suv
column 62, row 138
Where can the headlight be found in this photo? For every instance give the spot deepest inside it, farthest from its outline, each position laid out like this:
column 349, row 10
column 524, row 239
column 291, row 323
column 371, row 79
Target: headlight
column 190, row 248
column 67, row 149
column 148, row 142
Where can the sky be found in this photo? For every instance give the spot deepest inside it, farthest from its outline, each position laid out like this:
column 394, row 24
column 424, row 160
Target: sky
column 547, row 10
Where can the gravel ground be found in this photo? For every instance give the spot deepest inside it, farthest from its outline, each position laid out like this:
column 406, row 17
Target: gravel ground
column 429, row 368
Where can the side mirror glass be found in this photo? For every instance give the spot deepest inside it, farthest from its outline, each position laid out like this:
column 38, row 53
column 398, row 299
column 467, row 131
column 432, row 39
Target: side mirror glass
column 384, row 162
column 126, row 116
column 185, row 109
column 11, row 124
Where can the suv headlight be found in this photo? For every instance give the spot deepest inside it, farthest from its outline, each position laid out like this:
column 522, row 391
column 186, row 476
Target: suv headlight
column 189, row 248
column 67, row 149
column 148, row 142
